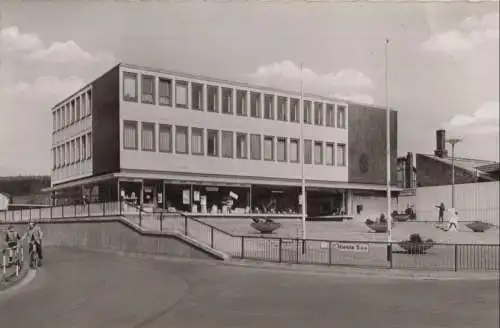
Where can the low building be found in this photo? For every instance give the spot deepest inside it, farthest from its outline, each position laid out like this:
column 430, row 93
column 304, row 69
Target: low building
column 166, row 139
column 436, row 169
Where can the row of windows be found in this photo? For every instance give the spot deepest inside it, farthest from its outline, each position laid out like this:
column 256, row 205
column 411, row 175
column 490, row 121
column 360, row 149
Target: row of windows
column 73, row 151
column 266, row 106
column 231, row 144
column 72, row 111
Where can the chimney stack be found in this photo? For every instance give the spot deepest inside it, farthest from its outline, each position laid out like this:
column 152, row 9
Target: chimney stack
column 441, row 144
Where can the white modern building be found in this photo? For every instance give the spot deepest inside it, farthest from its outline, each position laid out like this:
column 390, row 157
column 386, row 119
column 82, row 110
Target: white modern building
column 168, row 139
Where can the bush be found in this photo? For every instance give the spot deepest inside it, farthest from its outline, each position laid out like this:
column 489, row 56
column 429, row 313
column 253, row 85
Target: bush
column 415, row 238
column 369, row 222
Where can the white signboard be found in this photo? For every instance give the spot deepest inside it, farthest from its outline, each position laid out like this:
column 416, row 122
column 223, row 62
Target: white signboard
column 351, row 247
column 185, row 197
column 196, row 196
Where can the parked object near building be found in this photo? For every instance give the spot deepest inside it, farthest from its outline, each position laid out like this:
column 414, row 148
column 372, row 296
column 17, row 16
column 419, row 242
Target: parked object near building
column 197, row 144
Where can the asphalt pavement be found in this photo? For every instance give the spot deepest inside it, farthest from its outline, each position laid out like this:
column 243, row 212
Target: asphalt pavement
column 87, row 289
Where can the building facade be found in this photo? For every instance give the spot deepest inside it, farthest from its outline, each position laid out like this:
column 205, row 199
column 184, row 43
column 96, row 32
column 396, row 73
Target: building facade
column 165, row 139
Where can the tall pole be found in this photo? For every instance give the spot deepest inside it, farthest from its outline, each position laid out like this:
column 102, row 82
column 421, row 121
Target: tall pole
column 388, row 144
column 302, row 155
column 452, row 175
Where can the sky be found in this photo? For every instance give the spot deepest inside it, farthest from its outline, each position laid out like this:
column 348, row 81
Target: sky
column 443, row 61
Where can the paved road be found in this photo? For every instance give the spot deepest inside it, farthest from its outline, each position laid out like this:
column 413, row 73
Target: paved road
column 77, row 289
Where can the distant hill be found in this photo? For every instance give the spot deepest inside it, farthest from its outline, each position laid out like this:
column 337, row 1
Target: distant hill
column 15, row 186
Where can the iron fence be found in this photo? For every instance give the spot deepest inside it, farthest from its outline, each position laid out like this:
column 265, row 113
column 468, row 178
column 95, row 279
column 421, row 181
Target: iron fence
column 435, row 256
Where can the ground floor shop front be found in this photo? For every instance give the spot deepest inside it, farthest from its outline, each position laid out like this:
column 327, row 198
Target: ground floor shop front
column 213, row 198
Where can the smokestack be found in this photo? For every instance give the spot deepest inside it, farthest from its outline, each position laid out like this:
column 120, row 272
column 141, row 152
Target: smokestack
column 441, row 144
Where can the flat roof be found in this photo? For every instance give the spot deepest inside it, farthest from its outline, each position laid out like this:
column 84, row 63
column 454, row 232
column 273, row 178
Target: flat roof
column 223, row 81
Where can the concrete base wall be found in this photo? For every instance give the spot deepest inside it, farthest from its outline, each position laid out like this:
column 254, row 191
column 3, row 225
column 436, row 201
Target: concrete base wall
column 117, row 235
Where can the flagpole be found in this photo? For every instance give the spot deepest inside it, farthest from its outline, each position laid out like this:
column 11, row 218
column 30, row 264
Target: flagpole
column 302, row 155
column 388, row 144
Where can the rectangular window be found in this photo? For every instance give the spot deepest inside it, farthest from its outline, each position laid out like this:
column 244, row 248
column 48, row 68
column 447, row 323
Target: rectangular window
column 318, row 113
column 241, row 145
column 268, row 148
column 165, row 92
column 129, row 86
column 73, row 112
column 72, row 151
column 281, row 150
column 255, row 146
column 294, row 110
column 148, row 89
column 330, row 115
column 181, row 140
column 282, row 109
column 62, row 122
column 227, row 144
column 213, row 98
column 165, row 136
column 84, row 147
column 181, row 94
column 255, row 105
column 54, row 159
column 213, row 143
column 77, row 150
column 294, row 150
column 148, row 137
column 197, row 141
column 63, row 155
column 78, row 114
column 197, row 96
column 54, row 121
column 129, row 135
column 340, row 154
column 83, row 109
column 241, row 103
column 58, row 119
column 330, row 159
column 307, row 112
column 89, row 101
column 89, row 144
column 307, row 152
column 269, row 107
column 68, row 115
column 318, row 152
column 227, row 101
column 341, row 117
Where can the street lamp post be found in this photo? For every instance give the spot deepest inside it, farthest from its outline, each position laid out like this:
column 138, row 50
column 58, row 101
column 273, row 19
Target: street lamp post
column 453, row 142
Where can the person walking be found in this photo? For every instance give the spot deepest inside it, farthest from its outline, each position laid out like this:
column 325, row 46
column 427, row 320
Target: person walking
column 441, row 208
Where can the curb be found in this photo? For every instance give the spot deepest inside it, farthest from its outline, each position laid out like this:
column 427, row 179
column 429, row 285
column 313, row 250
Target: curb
column 12, row 282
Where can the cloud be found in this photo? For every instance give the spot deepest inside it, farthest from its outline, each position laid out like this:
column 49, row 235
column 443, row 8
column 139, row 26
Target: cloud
column 471, row 32
column 66, row 52
column 13, row 40
column 48, row 88
column 343, row 84
column 33, row 48
column 485, row 120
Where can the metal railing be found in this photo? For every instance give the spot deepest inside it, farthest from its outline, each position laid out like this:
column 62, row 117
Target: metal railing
column 441, row 256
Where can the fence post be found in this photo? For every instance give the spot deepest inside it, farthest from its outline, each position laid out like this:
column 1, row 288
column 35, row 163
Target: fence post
column 185, row 226
column 21, row 214
column 140, row 216
column 298, row 251
column 456, row 256
column 62, row 210
column 103, row 208
column 212, row 237
column 389, row 254
column 121, row 207
column 279, row 249
column 329, row 253
column 161, row 221
column 74, row 205
column 242, row 247
column 51, row 206
column 30, row 213
column 88, row 209
column 40, row 213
